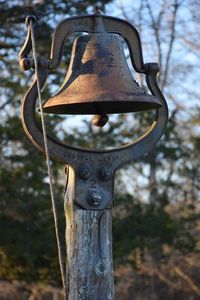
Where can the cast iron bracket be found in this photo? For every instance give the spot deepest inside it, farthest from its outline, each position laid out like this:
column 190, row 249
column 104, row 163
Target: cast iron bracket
column 94, row 169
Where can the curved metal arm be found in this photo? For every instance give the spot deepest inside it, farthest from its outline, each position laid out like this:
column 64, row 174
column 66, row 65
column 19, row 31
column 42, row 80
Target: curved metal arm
column 148, row 141
column 28, row 117
column 75, row 155
column 100, row 165
column 97, row 23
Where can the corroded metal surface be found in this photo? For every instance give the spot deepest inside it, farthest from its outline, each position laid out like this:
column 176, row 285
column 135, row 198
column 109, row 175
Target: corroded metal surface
column 97, row 23
column 99, row 81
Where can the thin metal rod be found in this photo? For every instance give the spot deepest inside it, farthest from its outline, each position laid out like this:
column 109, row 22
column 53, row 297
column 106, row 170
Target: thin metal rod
column 60, row 252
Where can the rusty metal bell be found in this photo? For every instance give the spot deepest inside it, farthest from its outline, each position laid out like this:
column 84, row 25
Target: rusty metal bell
column 99, row 81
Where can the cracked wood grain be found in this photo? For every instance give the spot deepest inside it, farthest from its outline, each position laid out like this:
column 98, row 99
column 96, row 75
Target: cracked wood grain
column 89, row 250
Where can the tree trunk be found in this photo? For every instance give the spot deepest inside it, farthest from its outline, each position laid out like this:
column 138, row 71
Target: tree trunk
column 89, row 250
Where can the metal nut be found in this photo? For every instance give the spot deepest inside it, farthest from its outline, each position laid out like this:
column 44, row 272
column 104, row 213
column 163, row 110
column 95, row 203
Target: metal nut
column 84, row 171
column 94, row 198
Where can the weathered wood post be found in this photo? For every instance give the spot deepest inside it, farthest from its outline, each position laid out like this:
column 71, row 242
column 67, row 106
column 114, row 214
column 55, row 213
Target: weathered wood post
column 99, row 82
column 89, row 249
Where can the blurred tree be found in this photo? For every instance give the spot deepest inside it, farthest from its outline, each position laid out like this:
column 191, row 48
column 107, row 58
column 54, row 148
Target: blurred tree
column 161, row 221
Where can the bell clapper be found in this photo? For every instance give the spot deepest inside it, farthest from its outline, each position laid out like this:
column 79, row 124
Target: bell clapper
column 99, row 120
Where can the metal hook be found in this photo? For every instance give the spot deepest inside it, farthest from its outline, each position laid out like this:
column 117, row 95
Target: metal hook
column 25, row 61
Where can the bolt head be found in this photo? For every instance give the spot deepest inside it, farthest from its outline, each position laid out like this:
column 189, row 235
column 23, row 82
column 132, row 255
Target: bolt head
column 84, row 171
column 106, row 172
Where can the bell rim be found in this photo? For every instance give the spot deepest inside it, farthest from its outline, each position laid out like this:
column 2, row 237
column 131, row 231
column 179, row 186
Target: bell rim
column 102, row 107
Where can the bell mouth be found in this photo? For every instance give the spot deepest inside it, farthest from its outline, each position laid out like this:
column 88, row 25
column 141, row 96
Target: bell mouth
column 85, row 104
column 101, row 107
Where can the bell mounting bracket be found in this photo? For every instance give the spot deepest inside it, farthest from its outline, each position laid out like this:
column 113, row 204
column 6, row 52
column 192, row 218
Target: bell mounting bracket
column 94, row 169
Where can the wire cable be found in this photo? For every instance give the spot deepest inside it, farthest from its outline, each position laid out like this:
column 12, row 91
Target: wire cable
column 54, row 208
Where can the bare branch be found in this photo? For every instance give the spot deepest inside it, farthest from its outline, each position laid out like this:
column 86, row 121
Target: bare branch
column 189, row 281
column 171, row 43
column 156, row 31
column 121, row 6
column 8, row 101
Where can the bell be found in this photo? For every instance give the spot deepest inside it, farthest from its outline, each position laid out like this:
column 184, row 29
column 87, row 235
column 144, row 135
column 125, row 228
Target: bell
column 99, row 81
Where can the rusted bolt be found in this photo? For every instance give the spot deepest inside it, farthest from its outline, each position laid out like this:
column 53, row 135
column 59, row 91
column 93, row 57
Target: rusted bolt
column 26, row 63
column 84, row 171
column 106, row 172
column 94, row 198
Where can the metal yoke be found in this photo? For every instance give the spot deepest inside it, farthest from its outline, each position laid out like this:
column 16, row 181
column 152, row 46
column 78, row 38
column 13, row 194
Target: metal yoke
column 94, row 169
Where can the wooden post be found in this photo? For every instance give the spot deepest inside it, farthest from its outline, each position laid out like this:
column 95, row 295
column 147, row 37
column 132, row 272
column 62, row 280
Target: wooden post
column 89, row 249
